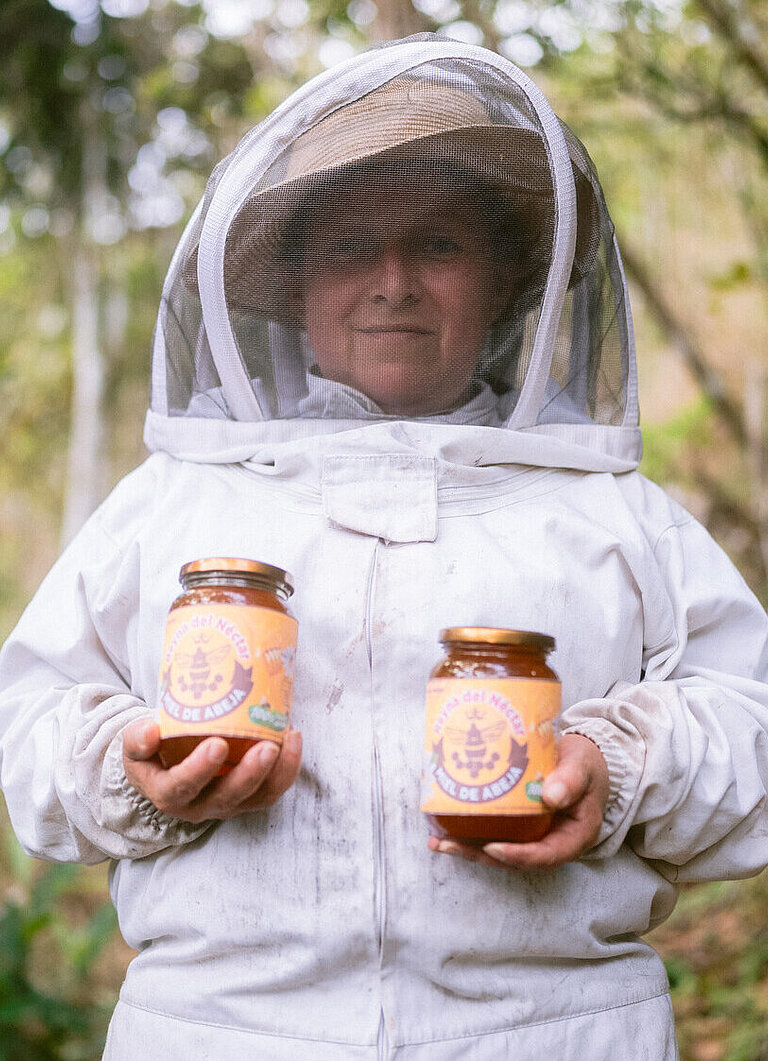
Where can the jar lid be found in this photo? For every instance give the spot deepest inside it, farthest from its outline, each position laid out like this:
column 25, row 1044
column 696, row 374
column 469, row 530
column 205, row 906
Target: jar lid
column 491, row 635
column 237, row 566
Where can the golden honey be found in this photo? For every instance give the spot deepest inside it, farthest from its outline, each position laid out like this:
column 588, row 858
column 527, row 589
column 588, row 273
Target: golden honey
column 492, row 707
column 228, row 658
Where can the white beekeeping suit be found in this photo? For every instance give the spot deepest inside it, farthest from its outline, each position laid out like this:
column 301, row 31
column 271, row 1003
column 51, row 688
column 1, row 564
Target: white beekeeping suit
column 502, row 492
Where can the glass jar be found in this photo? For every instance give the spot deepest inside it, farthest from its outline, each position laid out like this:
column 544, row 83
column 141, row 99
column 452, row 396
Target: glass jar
column 492, row 706
column 228, row 658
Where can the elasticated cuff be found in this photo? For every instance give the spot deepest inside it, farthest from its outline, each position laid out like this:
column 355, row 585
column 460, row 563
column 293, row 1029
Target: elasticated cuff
column 623, row 777
column 131, row 813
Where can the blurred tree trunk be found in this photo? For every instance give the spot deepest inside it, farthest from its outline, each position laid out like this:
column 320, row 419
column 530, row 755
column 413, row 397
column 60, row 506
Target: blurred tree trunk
column 85, row 463
column 397, row 18
column 755, row 404
column 86, row 472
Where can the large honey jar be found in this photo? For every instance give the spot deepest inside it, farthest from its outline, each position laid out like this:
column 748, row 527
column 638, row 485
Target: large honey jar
column 492, row 707
column 228, row 658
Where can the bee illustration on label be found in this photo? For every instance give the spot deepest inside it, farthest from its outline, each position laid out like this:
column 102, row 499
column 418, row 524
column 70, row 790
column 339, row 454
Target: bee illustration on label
column 204, row 678
column 198, row 666
column 475, row 741
column 476, row 758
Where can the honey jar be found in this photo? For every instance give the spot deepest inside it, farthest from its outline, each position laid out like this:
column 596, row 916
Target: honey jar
column 228, row 658
column 492, row 708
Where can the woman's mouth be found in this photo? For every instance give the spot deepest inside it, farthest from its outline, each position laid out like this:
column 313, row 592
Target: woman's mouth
column 396, row 329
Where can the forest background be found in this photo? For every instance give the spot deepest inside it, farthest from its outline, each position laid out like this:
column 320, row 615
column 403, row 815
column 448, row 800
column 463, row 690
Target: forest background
column 111, row 115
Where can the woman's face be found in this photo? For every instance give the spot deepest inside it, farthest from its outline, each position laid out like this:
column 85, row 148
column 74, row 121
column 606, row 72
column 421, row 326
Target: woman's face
column 398, row 291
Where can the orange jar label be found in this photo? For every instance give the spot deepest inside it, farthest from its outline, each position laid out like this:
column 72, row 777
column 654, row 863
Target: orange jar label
column 490, row 742
column 228, row 670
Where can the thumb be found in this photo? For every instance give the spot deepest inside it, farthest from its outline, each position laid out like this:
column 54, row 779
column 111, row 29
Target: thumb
column 569, row 781
column 141, row 739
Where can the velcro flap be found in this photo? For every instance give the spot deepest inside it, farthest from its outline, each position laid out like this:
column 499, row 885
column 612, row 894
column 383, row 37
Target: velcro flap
column 391, row 496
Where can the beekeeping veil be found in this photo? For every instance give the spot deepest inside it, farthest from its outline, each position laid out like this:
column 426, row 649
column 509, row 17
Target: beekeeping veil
column 233, row 363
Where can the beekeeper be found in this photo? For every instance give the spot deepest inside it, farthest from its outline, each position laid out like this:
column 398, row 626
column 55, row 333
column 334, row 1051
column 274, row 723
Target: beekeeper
column 394, row 356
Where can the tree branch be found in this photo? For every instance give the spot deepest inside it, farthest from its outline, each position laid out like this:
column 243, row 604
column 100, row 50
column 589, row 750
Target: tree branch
column 707, row 378
column 740, row 33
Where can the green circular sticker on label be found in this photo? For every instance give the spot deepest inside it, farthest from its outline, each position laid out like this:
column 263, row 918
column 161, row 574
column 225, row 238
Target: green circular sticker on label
column 263, row 715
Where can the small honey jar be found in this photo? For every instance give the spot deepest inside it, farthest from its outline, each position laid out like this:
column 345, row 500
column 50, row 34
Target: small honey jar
column 492, row 707
column 228, row 658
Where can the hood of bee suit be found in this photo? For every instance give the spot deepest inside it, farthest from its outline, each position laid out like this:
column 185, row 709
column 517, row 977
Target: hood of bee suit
column 244, row 362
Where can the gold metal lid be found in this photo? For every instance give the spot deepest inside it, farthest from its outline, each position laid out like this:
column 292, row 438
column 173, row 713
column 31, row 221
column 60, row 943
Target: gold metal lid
column 234, row 566
column 491, row 635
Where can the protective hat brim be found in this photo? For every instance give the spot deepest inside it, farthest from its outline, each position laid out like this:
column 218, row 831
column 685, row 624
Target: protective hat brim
column 513, row 161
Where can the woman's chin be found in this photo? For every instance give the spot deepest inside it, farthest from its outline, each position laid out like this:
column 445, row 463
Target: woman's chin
column 412, row 398
column 405, row 406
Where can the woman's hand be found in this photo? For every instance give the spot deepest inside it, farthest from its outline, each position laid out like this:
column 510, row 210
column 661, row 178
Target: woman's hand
column 577, row 789
column 192, row 791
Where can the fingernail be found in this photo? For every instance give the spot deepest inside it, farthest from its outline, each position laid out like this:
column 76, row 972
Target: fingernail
column 144, row 735
column 554, row 793
column 268, row 753
column 504, row 853
column 217, row 752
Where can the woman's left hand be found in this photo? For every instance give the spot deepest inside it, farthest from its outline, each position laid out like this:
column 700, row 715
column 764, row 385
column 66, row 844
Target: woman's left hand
column 577, row 790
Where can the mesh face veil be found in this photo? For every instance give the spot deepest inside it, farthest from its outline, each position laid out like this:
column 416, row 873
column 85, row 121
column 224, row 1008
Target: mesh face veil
column 411, row 236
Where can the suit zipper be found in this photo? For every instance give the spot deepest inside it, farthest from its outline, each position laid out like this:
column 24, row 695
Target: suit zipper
column 378, row 811
column 382, row 1040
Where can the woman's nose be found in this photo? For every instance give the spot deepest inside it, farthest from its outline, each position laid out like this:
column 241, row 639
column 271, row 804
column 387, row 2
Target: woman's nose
column 394, row 278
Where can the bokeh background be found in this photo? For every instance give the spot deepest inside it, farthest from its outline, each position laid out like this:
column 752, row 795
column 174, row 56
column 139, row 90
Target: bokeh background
column 111, row 115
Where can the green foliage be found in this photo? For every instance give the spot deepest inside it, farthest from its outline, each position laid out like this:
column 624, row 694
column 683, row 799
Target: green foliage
column 34, row 369
column 38, row 1023
column 715, row 948
column 665, row 443
column 34, row 36
column 223, row 70
column 736, row 275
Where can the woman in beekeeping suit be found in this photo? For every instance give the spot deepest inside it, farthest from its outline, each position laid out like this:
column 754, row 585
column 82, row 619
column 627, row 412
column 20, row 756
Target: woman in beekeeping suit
column 394, row 356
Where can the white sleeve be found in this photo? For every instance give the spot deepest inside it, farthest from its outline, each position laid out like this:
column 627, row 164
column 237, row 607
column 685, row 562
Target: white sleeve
column 687, row 747
column 65, row 699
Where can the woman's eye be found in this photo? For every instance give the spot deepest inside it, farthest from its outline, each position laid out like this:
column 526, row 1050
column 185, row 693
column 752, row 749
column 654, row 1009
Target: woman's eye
column 441, row 246
column 349, row 248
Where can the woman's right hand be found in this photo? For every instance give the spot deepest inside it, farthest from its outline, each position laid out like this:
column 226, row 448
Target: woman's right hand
column 192, row 791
